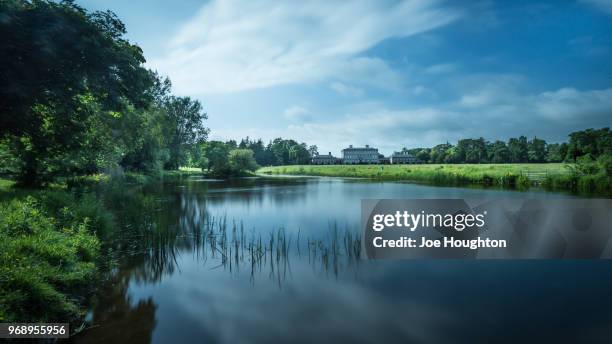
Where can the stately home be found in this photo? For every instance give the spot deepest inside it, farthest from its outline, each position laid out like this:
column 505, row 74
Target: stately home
column 360, row 155
column 328, row 159
column 403, row 158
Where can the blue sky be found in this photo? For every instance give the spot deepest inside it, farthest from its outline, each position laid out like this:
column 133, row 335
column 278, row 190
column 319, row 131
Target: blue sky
column 390, row 74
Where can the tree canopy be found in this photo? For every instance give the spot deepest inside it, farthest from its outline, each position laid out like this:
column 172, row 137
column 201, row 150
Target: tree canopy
column 75, row 96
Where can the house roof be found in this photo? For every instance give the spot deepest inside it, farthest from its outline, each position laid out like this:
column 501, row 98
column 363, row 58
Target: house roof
column 361, row 149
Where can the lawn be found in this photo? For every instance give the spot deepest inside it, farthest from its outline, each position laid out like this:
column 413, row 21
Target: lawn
column 510, row 175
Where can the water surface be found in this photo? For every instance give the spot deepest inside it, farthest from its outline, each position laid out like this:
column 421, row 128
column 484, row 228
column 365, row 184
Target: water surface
column 178, row 280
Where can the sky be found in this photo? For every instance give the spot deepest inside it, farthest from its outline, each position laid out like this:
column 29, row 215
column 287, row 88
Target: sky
column 390, row 74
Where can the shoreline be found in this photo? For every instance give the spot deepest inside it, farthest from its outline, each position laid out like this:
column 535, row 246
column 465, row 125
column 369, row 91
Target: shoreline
column 553, row 177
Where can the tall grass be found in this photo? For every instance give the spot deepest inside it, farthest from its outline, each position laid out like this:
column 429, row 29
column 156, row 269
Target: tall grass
column 228, row 245
column 50, row 248
column 48, row 258
column 504, row 175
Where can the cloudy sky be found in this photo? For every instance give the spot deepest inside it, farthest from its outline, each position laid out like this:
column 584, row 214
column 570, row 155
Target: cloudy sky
column 390, row 74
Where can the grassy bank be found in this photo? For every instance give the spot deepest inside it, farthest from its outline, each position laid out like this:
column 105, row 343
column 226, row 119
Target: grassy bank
column 506, row 175
column 52, row 241
column 49, row 253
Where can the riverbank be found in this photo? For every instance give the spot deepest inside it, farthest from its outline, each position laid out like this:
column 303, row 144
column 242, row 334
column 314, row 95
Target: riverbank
column 504, row 175
column 53, row 241
column 49, row 252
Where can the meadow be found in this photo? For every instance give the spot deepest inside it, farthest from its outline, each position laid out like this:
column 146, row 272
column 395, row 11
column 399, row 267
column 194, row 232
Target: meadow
column 506, row 175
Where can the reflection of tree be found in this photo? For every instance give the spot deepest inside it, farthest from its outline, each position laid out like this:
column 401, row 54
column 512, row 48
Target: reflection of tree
column 249, row 192
column 184, row 224
column 157, row 225
column 115, row 319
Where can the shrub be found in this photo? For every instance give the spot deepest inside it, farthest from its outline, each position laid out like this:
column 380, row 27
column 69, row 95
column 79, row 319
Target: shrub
column 42, row 260
column 241, row 161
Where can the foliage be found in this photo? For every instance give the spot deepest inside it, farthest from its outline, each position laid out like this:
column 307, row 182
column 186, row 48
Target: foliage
column 76, row 98
column 216, row 153
column 279, row 152
column 186, row 127
column 588, row 175
column 44, row 256
column 68, row 77
column 590, row 141
column 242, row 161
column 518, row 150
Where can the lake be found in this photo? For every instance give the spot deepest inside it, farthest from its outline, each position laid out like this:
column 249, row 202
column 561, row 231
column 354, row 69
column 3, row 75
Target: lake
column 270, row 259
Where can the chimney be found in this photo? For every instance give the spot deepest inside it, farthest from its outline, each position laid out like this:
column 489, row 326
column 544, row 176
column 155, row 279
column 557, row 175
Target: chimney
column 329, row 153
column 367, row 146
column 350, row 146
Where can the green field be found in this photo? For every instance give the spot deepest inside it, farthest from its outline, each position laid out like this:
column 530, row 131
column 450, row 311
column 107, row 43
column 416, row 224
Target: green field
column 508, row 175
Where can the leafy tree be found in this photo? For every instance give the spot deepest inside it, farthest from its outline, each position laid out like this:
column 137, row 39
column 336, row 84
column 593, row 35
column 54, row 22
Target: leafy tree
column 149, row 151
column 261, row 153
column 241, row 161
column 518, row 149
column 299, row 154
column 62, row 70
column 313, row 150
column 438, row 153
column 589, row 141
column 185, row 127
column 556, row 152
column 498, row 152
column 423, row 155
column 536, row 150
column 216, row 153
column 451, row 156
column 471, row 151
column 288, row 152
column 232, row 144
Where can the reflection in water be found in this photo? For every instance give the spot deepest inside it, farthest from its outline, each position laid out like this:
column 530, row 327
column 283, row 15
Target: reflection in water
column 259, row 260
column 117, row 318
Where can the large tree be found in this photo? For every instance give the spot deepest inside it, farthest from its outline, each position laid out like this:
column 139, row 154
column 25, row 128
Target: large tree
column 67, row 76
column 536, row 150
column 594, row 142
column 498, row 152
column 241, row 161
column 185, row 127
column 518, row 149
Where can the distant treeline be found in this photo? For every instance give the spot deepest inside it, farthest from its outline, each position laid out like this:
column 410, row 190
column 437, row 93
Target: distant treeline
column 590, row 143
column 218, row 157
column 586, row 144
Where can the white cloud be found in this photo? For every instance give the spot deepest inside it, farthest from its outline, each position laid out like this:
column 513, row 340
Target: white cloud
column 442, row 68
column 420, row 90
column 483, row 90
column 235, row 45
column 296, row 113
column 346, row 90
column 498, row 111
column 385, row 129
column 571, row 104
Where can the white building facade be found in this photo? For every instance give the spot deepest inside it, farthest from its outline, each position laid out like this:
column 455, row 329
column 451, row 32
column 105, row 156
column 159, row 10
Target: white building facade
column 360, row 155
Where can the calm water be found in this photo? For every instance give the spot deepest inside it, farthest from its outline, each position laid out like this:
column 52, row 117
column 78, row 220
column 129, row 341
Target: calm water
column 194, row 265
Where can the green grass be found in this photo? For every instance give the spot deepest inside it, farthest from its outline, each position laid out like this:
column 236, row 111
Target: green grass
column 50, row 250
column 48, row 258
column 6, row 184
column 196, row 170
column 506, row 175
